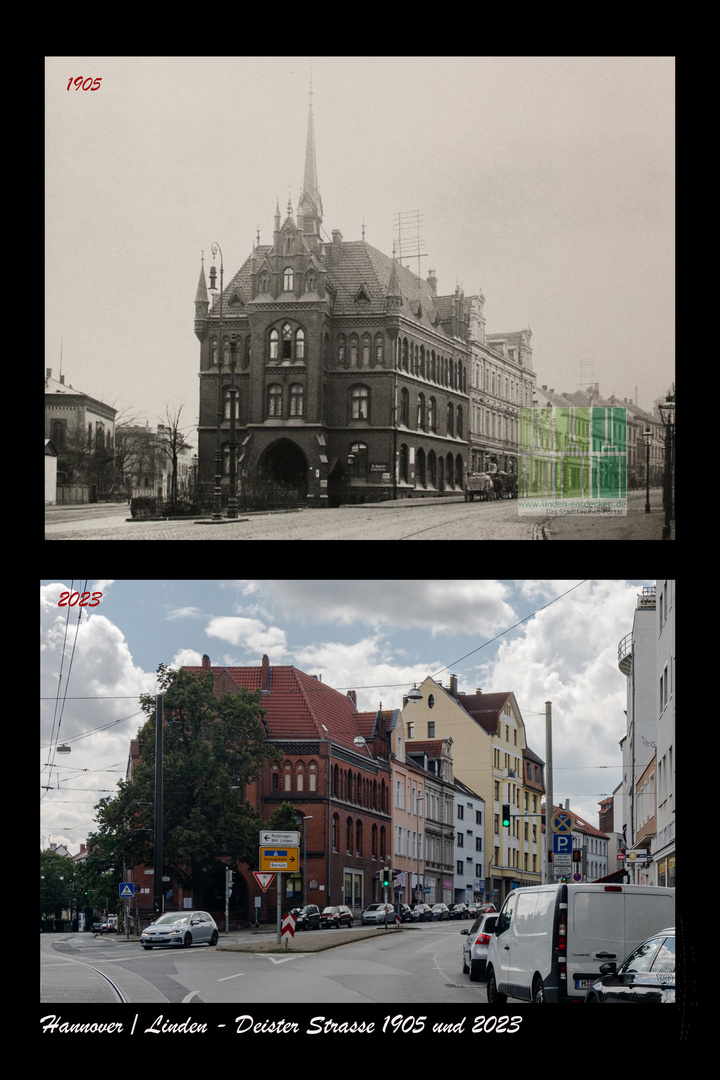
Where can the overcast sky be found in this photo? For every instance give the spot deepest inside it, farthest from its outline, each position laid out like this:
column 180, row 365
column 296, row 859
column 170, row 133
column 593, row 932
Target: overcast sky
column 547, row 182
column 376, row 637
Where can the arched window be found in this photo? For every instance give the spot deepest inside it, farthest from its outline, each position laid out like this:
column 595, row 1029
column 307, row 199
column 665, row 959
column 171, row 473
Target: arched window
column 360, row 400
column 404, row 464
column 379, row 349
column 286, row 342
column 359, row 453
column 366, row 350
column 450, row 417
column 264, row 284
column 274, row 400
column 273, row 344
column 341, row 350
column 300, row 778
column 214, row 352
column 421, row 411
column 228, row 395
column 288, row 279
column 432, row 415
column 313, row 777
column 405, row 406
column 299, row 344
column 296, row 400
column 459, row 428
column 354, row 351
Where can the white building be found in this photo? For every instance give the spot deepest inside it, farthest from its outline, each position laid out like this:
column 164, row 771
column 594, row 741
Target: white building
column 646, row 656
column 469, row 845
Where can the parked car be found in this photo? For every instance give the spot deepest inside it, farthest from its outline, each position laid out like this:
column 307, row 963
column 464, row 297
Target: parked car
column 376, row 913
column 422, row 913
column 306, row 917
column 440, row 911
column 404, row 911
column 475, row 946
column 180, row 928
column 336, row 916
column 648, row 974
column 459, row 911
column 551, row 940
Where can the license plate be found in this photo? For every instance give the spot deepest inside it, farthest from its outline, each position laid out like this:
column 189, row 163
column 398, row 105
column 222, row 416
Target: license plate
column 584, row 984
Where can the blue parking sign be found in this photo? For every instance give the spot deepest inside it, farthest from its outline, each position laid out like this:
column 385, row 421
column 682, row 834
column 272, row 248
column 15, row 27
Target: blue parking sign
column 562, row 845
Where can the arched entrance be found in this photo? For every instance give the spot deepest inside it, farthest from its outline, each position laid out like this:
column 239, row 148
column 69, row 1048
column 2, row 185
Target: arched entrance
column 284, row 466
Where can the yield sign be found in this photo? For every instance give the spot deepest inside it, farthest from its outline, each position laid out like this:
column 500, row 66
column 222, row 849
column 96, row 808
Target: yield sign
column 263, row 880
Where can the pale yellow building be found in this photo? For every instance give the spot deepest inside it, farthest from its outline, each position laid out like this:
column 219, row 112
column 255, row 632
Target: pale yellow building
column 491, row 756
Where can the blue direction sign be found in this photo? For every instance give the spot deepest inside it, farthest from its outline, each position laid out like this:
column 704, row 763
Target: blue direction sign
column 562, row 845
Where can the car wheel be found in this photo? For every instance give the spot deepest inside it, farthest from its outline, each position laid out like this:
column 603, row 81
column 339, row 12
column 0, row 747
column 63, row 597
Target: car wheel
column 591, row 999
column 493, row 994
column 475, row 971
column 187, row 940
column 214, row 938
column 465, row 967
column 538, row 992
column 350, row 924
column 305, row 925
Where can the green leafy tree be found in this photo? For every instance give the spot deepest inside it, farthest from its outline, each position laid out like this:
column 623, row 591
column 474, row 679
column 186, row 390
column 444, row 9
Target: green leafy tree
column 213, row 747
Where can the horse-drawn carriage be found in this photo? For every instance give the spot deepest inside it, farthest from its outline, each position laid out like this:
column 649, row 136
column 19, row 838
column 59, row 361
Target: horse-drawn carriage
column 493, row 485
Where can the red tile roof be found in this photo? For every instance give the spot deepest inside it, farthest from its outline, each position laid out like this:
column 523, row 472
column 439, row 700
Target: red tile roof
column 299, row 706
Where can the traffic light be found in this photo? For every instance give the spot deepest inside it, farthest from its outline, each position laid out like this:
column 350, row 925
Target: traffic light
column 229, row 875
column 385, row 877
column 576, row 854
column 506, row 815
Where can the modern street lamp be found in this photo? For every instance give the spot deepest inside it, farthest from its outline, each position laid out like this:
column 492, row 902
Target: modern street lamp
column 307, row 817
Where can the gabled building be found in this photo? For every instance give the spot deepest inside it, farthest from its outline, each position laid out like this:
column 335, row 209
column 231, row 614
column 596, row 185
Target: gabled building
column 434, row 756
column 329, row 371
column 335, row 772
column 489, row 750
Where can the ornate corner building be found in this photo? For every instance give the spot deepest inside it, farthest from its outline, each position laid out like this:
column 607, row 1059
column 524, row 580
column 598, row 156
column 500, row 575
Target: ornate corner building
column 347, row 374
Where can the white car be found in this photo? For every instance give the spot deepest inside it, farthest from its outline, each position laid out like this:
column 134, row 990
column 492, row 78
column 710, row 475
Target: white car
column 376, row 913
column 181, row 928
column 475, row 946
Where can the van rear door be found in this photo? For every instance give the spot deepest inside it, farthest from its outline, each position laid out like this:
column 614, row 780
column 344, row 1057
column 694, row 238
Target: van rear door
column 595, row 933
column 606, row 923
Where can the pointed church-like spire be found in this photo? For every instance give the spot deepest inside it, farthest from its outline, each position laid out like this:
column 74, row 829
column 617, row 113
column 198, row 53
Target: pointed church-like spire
column 310, row 206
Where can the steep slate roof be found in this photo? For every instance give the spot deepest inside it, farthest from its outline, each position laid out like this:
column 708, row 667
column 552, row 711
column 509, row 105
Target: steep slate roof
column 358, row 264
column 299, row 706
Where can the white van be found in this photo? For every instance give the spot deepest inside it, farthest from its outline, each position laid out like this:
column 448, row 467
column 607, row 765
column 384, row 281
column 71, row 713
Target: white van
column 551, row 940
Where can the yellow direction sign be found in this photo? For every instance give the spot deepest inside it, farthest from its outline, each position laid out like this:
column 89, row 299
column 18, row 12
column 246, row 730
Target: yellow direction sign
column 279, row 858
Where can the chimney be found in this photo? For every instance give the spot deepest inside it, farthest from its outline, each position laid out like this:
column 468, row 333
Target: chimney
column 432, row 282
column 353, row 697
column 478, row 690
column 453, row 685
column 206, row 662
column 265, row 678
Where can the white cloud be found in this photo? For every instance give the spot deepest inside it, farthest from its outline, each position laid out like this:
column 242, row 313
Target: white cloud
column 439, row 606
column 255, row 637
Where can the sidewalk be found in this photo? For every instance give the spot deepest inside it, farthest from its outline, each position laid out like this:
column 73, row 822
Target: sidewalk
column 637, row 525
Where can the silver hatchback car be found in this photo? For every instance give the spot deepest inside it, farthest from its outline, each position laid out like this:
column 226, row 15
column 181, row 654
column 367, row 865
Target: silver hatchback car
column 181, row 928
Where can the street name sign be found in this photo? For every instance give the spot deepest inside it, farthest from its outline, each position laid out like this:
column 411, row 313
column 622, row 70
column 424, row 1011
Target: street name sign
column 281, row 839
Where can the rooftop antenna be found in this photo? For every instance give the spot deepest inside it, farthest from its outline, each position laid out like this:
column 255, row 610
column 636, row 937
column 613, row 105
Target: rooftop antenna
column 409, row 241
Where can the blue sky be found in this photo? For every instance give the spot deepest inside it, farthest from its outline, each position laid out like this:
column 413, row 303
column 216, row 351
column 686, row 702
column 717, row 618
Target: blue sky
column 377, row 637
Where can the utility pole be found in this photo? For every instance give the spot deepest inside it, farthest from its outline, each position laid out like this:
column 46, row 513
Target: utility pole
column 158, row 872
column 548, row 876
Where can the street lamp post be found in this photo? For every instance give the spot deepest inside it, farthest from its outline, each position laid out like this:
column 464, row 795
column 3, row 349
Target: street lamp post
column 307, row 817
column 647, row 436
column 232, row 494
column 667, row 412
